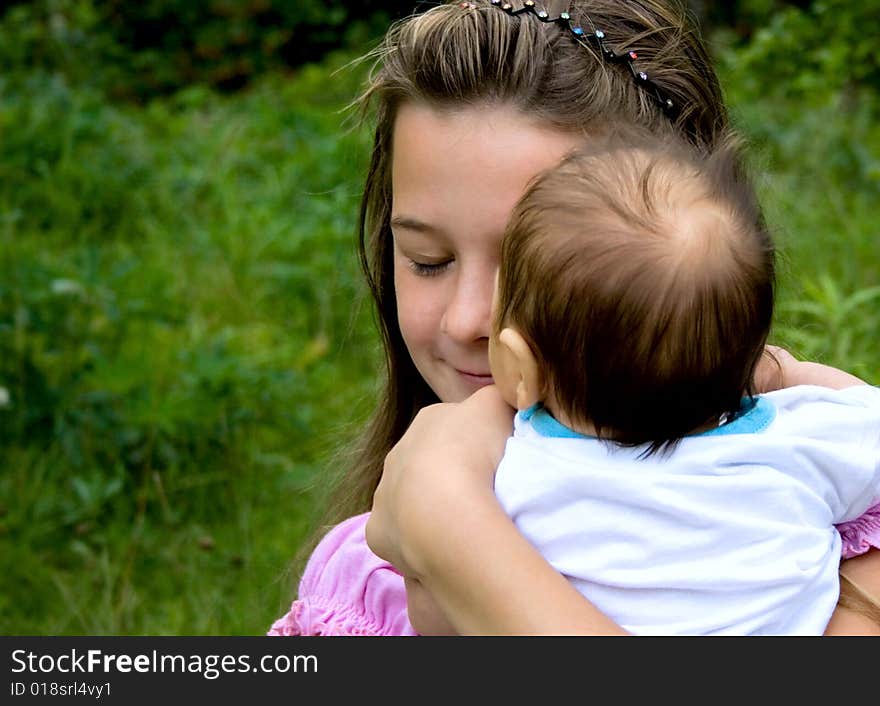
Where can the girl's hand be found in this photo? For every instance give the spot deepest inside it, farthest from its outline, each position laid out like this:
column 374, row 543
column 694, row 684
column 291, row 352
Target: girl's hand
column 449, row 453
column 778, row 369
column 770, row 373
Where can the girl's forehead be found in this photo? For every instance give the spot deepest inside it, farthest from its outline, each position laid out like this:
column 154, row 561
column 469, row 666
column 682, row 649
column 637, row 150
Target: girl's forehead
column 491, row 134
column 470, row 163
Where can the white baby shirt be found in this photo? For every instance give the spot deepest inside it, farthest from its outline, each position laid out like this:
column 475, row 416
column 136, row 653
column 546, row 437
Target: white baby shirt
column 733, row 533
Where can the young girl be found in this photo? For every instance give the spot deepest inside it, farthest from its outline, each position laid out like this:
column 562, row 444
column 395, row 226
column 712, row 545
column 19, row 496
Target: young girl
column 472, row 102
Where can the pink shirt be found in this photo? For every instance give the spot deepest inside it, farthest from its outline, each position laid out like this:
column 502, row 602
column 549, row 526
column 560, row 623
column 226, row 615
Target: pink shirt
column 348, row 590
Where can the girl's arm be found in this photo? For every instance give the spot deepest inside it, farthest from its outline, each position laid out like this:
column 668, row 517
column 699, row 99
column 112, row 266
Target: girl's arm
column 425, row 615
column 436, row 518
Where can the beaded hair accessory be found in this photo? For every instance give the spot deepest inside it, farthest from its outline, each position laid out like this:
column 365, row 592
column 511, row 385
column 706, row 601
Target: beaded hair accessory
column 597, row 37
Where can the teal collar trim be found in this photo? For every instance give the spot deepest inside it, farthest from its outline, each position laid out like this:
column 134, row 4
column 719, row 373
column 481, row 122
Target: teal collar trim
column 754, row 417
column 546, row 425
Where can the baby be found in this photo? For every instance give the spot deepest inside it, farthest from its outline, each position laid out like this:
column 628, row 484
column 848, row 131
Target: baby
column 633, row 303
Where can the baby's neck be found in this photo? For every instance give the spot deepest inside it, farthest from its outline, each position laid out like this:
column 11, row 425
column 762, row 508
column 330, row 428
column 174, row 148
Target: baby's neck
column 581, row 427
column 587, row 428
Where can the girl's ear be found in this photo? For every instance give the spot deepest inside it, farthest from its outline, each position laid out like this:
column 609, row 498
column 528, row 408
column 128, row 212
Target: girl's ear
column 530, row 383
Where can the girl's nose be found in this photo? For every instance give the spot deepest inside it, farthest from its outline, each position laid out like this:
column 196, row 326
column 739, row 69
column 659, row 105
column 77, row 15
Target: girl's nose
column 467, row 317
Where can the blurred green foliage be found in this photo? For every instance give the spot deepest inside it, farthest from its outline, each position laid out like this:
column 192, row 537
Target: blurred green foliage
column 806, row 90
column 183, row 341
column 136, row 50
column 808, row 53
column 179, row 331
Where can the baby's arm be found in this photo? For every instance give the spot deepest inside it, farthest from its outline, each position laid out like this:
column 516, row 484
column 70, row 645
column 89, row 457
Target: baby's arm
column 779, row 369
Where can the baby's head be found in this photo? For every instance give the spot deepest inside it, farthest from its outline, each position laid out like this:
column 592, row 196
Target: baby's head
column 635, row 293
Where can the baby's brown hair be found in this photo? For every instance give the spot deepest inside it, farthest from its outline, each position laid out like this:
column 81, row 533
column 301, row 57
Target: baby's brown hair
column 642, row 275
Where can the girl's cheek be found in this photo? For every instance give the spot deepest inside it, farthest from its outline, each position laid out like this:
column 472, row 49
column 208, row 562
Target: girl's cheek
column 420, row 306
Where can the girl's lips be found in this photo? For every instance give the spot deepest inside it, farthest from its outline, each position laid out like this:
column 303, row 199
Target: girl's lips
column 476, row 379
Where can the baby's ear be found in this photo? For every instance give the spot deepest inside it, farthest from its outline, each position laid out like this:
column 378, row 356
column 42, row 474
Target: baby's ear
column 530, row 385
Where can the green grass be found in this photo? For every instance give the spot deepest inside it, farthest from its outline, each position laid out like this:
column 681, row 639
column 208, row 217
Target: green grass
column 181, row 344
column 182, row 348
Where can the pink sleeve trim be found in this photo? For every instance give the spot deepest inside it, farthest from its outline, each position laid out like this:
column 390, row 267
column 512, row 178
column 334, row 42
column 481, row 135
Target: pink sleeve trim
column 861, row 534
column 317, row 617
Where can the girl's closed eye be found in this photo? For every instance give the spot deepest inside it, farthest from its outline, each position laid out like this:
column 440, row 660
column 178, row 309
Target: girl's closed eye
column 429, row 269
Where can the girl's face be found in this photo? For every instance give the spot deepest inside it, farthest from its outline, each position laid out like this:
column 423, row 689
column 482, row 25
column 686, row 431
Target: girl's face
column 455, row 179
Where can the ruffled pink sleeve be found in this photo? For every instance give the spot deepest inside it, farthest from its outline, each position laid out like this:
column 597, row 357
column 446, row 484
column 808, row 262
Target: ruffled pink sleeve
column 347, row 590
column 861, row 534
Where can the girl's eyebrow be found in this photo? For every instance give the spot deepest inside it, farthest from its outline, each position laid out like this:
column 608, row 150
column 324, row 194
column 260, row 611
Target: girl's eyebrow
column 410, row 223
